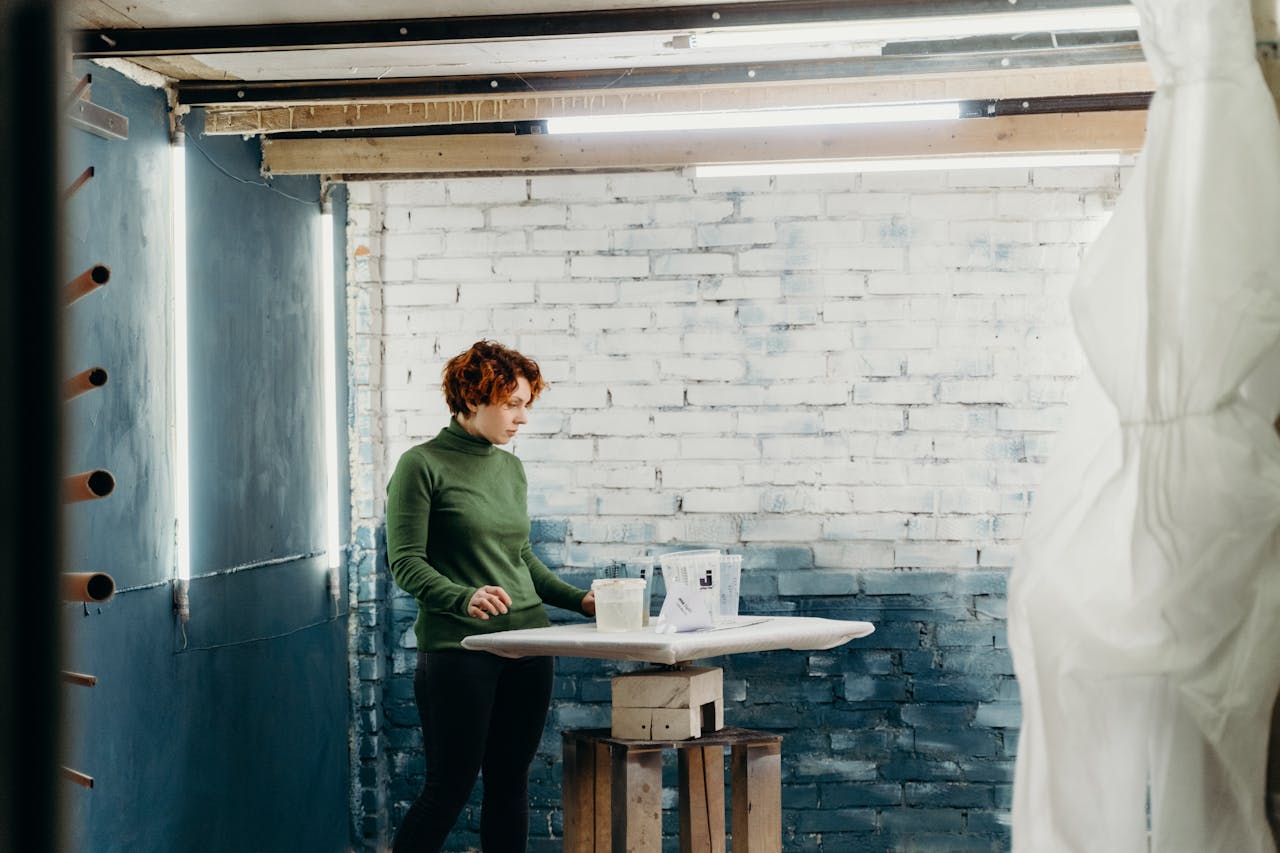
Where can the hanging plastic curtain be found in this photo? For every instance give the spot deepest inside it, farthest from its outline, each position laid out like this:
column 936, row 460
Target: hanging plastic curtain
column 1145, row 603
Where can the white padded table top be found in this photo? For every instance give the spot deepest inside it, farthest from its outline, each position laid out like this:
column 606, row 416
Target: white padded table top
column 749, row 634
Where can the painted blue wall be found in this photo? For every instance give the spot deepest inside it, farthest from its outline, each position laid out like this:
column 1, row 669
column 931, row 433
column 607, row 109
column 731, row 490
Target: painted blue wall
column 232, row 735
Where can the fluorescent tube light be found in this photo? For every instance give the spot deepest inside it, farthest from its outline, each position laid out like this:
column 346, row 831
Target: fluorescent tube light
column 1091, row 19
column 924, row 164
column 333, row 544
column 181, row 417
column 937, row 111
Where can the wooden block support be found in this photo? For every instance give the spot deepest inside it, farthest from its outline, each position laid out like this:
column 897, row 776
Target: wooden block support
column 613, row 792
column 757, row 797
column 668, row 704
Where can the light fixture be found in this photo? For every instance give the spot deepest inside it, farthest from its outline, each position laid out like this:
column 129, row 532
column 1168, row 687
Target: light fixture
column 333, row 543
column 869, row 114
column 181, row 417
column 919, row 164
column 1089, row 19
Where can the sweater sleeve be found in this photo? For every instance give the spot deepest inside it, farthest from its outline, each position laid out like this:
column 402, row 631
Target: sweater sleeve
column 549, row 586
column 408, row 519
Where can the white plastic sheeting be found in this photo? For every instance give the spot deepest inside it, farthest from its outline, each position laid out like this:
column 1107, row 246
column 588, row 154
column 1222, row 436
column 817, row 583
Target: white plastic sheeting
column 751, row 634
column 1145, row 603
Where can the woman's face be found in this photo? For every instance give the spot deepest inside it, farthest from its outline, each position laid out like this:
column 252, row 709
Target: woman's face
column 499, row 422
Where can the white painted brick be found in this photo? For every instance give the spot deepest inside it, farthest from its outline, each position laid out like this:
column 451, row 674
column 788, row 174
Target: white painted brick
column 934, row 556
column 406, row 295
column 697, row 211
column 736, row 234
column 451, row 217
column 413, row 245
column 1049, row 391
column 568, row 187
column 1035, row 206
column 817, row 285
column 891, row 391
column 774, row 206
column 726, row 395
column 396, row 323
column 537, row 318
column 566, row 395
column 594, row 319
column 864, row 418
column 865, row 310
column 781, row 528
column 649, row 184
column 708, row 342
column 487, row 190
column 554, row 450
column 616, row 477
column 981, row 391
column 692, row 475
column 529, row 267
column 807, row 394
column 816, row 183
column 702, row 368
column 894, row 498
column 1039, row 448
column 1018, row 473
column 454, row 269
column 915, row 182
column 967, row 500
column 871, row 472
column 807, row 447
column 734, row 184
column 692, row 264
column 694, row 422
column 914, row 282
column 871, row 555
column 695, row 447
column 539, row 342
column 890, row 336
column 950, row 474
column 613, row 421
column 528, row 215
column 753, row 423
column 991, row 232
column 771, row 368
column 668, row 395
column 996, row 556
column 1088, row 177
column 472, row 243
column 635, row 502
column 878, row 525
column 410, row 192
column 953, row 206
column 904, row 445
column 495, row 293
column 1009, row 526
column 721, row 500
column 977, row 446
column 1048, row 419
column 868, row 204
column 940, row 362
column 864, row 258
column 658, row 291
column 578, row 292
column 987, row 178
column 650, row 239
column 608, row 266
column 699, row 317
column 819, row 232
column 732, row 287
column 608, row 215
column 781, row 473
column 651, row 450
column 988, row 335
column 557, row 240
column 630, row 343
column 996, row 282
column 702, row 528
column 829, row 338
column 773, row 314
column 779, row 259
column 615, row 370
column 1066, row 361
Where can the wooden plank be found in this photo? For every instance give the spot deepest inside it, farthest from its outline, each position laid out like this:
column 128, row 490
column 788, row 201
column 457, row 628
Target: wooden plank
column 603, row 795
column 579, row 794
column 702, row 800
column 506, row 154
column 636, row 798
column 1022, row 83
column 757, row 798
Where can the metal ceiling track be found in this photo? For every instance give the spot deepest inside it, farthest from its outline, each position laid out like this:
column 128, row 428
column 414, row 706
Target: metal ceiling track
column 177, row 41
column 215, row 93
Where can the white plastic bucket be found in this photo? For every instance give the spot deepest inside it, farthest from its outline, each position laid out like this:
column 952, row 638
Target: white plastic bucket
column 619, row 604
column 730, row 583
column 698, row 570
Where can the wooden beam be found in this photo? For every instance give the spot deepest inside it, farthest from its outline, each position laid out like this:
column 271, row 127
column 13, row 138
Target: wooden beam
column 508, row 154
column 1022, row 83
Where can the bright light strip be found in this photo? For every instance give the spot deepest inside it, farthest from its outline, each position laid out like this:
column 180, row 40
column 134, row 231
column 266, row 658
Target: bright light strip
column 333, row 544
column 924, row 164
column 181, row 416
column 1092, row 19
column 940, row 111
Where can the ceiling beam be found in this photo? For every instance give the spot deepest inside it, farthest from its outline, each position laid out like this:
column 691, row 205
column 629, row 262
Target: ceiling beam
column 539, row 106
column 506, row 154
column 117, row 42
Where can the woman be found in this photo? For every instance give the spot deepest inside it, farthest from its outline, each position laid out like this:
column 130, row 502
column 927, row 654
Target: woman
column 458, row 542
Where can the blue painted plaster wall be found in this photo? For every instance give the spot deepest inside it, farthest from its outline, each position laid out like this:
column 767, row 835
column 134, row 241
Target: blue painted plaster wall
column 234, row 736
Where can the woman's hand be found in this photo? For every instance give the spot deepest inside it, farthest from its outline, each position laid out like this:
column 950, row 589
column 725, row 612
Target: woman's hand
column 589, row 603
column 488, row 599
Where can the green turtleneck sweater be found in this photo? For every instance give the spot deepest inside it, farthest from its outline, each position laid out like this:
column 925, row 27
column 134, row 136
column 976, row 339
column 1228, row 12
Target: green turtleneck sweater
column 457, row 520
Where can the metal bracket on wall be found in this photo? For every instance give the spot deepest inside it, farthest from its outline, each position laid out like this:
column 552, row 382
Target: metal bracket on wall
column 86, row 115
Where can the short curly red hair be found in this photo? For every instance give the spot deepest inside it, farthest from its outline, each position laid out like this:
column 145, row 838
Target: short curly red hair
column 485, row 374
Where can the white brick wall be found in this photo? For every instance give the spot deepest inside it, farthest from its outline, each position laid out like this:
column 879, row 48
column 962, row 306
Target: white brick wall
column 870, row 367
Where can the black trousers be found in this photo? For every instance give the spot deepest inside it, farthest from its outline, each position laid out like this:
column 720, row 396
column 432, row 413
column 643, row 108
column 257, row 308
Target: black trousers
column 480, row 714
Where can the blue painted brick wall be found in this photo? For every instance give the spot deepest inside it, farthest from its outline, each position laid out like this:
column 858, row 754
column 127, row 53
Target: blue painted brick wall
column 901, row 741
